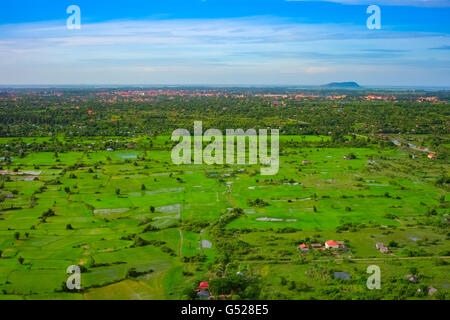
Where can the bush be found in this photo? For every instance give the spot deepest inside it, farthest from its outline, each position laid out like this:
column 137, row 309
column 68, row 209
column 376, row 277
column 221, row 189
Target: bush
column 133, row 273
column 393, row 244
column 259, row 203
column 391, row 216
column 412, row 252
column 236, row 284
column 440, row 262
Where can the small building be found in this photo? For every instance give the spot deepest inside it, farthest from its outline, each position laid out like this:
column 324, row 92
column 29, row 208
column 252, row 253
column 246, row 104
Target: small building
column 316, row 246
column 331, row 244
column 203, row 291
column 385, row 250
column 411, row 278
column 305, row 162
column 204, row 295
column 9, row 196
column 432, row 156
column 303, row 247
column 432, row 290
column 341, row 244
column 204, row 285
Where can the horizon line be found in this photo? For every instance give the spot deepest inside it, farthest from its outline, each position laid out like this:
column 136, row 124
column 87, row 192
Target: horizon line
column 299, row 86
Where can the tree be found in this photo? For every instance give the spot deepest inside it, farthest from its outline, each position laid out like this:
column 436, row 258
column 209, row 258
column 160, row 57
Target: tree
column 118, row 192
column 392, row 244
column 292, row 285
column 227, row 285
column 143, row 187
column 189, row 291
column 17, row 235
column 152, row 209
column 413, row 271
column 49, row 213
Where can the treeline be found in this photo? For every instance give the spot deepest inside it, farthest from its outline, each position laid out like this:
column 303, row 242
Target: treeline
column 37, row 115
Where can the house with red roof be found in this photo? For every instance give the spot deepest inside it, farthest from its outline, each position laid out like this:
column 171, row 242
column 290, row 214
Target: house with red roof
column 432, row 156
column 303, row 247
column 204, row 285
column 331, row 244
column 203, row 291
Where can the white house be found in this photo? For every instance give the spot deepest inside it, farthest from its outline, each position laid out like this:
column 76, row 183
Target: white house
column 331, row 244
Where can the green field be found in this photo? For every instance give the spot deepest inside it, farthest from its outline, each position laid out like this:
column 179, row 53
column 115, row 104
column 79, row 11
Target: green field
column 112, row 212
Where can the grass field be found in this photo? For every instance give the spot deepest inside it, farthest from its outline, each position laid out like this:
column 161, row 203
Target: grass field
column 134, row 210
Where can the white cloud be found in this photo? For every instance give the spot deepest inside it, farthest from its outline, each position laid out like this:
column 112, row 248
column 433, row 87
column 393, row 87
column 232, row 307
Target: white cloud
column 318, row 70
column 259, row 50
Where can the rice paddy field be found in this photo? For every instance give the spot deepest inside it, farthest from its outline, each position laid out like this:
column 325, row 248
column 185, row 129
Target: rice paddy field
column 143, row 228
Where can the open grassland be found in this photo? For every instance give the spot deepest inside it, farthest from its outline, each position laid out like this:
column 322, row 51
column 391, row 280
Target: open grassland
column 143, row 228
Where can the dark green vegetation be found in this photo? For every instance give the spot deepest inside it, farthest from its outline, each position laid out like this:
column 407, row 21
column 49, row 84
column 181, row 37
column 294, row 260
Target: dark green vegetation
column 87, row 180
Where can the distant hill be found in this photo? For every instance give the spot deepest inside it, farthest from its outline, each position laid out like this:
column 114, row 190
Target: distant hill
column 343, row 85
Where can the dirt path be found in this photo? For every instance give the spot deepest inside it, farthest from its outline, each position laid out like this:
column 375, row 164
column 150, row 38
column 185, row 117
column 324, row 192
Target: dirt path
column 407, row 146
column 402, row 144
column 422, row 150
column 383, row 259
column 180, row 230
column 181, row 241
column 361, row 136
column 230, row 198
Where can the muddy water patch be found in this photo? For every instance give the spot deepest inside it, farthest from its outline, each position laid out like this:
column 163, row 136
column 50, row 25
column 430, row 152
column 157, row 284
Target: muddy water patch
column 174, row 208
column 206, row 244
column 265, row 219
column 106, row 211
column 156, row 192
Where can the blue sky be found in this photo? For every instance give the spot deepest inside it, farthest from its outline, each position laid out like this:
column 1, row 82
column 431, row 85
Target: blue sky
column 225, row 42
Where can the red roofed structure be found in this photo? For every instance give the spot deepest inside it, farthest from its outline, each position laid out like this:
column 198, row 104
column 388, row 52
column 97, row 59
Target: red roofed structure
column 331, row 244
column 204, row 285
column 303, row 247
